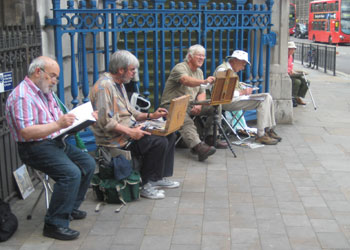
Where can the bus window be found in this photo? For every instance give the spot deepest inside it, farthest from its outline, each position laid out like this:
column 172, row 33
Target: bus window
column 336, row 6
column 328, row 23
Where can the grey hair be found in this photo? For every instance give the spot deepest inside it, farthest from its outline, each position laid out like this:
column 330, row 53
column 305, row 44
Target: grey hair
column 122, row 59
column 38, row 62
column 197, row 48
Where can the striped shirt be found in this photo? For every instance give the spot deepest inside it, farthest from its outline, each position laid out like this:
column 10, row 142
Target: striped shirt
column 26, row 106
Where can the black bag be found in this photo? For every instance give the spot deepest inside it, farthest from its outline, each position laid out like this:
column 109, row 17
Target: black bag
column 8, row 221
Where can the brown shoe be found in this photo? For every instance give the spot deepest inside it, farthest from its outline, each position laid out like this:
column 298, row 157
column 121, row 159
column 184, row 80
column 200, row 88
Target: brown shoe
column 266, row 140
column 300, row 101
column 271, row 133
column 219, row 143
column 203, row 151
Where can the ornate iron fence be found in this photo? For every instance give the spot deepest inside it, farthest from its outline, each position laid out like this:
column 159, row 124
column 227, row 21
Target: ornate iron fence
column 18, row 46
column 158, row 34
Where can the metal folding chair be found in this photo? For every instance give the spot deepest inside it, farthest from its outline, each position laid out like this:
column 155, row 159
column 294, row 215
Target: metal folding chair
column 46, row 188
column 235, row 120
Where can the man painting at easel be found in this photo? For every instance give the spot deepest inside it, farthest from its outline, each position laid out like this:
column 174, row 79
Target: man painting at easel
column 186, row 79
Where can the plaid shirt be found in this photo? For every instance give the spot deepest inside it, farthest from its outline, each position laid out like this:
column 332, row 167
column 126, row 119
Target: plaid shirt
column 26, row 106
column 113, row 108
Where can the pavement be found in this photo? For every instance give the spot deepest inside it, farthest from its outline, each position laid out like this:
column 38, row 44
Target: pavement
column 295, row 195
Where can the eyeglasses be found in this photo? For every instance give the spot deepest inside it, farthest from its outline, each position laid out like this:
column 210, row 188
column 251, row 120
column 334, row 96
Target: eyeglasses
column 199, row 55
column 53, row 77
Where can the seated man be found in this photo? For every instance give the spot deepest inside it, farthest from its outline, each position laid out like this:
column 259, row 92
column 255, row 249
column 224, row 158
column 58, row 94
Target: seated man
column 117, row 126
column 264, row 108
column 34, row 119
column 186, row 79
column 299, row 83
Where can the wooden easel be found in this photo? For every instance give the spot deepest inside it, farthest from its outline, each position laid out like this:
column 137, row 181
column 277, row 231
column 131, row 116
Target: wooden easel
column 222, row 93
column 175, row 118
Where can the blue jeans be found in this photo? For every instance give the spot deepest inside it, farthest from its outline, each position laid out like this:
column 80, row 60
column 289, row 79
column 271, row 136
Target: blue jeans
column 69, row 167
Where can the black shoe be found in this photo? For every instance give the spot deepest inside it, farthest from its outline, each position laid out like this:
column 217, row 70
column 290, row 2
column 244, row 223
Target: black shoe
column 77, row 215
column 60, row 233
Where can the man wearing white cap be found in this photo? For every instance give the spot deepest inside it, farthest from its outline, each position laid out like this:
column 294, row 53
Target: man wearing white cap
column 262, row 102
column 299, row 83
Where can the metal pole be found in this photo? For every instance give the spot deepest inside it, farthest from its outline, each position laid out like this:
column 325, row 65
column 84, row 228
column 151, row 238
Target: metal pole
column 308, row 85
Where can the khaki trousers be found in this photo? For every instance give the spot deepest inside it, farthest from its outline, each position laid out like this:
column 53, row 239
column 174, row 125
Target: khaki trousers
column 265, row 111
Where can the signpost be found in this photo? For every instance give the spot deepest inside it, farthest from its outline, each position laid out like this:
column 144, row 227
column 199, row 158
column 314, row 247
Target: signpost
column 6, row 81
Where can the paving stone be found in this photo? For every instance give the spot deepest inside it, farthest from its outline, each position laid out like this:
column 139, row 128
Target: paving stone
column 333, row 240
column 216, row 214
column 291, row 208
column 339, row 206
column 275, row 242
column 296, row 220
column 318, row 213
column 323, row 226
column 160, row 227
column 313, row 201
column 186, row 236
column 105, row 228
column 307, row 191
column 185, row 247
column 245, row 236
column 303, row 238
column 189, row 221
column 275, row 226
column 265, row 201
column 262, row 191
column 267, row 213
column 216, row 242
column 128, row 237
column 93, row 242
column 169, row 202
column 135, row 221
column 151, row 242
column 221, row 228
column 160, row 213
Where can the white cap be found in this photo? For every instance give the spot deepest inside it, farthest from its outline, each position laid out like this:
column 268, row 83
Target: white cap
column 291, row 45
column 240, row 55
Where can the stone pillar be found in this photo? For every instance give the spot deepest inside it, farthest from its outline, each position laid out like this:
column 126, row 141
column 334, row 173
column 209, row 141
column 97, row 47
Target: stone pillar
column 280, row 83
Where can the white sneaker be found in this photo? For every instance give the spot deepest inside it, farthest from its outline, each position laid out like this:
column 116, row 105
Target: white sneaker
column 147, row 191
column 164, row 183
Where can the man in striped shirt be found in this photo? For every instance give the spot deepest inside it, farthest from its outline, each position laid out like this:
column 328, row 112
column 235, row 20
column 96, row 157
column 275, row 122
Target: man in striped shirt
column 34, row 118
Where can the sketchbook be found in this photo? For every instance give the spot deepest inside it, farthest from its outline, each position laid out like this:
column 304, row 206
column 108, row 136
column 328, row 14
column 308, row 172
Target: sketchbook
column 83, row 119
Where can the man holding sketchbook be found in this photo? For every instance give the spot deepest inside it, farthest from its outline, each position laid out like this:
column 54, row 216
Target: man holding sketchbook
column 34, row 119
column 244, row 100
column 118, row 126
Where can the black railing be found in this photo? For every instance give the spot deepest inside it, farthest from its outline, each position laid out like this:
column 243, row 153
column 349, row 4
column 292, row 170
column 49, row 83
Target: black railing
column 19, row 44
column 316, row 56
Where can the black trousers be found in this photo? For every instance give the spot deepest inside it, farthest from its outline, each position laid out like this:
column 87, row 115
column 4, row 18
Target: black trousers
column 157, row 154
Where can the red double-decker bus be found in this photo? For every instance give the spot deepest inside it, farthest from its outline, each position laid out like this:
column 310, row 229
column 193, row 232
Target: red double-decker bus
column 329, row 21
column 292, row 18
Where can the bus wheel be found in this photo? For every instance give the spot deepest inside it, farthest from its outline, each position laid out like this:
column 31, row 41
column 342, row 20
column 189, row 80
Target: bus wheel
column 313, row 39
column 330, row 40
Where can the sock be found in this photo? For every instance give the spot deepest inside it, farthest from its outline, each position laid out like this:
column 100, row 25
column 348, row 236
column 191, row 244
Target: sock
column 261, row 132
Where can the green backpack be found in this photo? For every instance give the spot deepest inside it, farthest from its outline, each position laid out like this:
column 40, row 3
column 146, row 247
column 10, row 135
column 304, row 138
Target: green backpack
column 117, row 192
